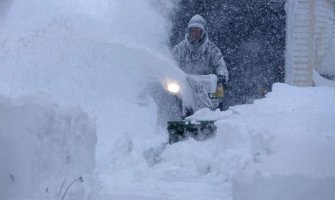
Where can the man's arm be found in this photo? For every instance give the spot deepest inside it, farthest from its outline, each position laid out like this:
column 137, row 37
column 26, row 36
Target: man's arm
column 219, row 64
column 176, row 51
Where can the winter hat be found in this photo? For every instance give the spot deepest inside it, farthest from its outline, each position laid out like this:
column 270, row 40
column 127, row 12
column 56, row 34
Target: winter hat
column 197, row 21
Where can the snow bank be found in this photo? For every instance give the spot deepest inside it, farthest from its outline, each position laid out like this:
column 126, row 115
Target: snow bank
column 99, row 55
column 282, row 146
column 288, row 187
column 43, row 147
column 293, row 158
column 320, row 81
column 279, row 147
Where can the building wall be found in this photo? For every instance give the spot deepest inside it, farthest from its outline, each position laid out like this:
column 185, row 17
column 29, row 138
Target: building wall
column 324, row 24
column 310, row 33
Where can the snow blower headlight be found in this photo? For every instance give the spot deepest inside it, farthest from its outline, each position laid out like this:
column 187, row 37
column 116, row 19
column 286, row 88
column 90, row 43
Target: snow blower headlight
column 173, row 87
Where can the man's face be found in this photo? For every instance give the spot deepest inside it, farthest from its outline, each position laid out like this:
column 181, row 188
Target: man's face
column 195, row 33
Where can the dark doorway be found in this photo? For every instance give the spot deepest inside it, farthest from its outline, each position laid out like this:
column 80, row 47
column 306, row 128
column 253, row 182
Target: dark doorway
column 251, row 36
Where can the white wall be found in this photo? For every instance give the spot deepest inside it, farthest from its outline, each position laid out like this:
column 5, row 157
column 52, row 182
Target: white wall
column 310, row 25
column 324, row 23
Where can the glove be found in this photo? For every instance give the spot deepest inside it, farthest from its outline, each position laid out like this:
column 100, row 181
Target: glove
column 221, row 80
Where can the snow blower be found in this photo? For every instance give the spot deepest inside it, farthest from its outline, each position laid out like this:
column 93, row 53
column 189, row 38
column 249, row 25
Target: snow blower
column 206, row 93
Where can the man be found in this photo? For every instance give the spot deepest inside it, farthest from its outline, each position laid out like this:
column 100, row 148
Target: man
column 197, row 55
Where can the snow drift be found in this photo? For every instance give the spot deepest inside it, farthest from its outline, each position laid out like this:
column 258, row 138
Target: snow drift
column 92, row 54
column 101, row 55
column 42, row 147
column 292, row 133
column 279, row 147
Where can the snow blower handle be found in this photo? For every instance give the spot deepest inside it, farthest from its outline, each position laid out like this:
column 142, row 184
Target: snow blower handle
column 219, row 93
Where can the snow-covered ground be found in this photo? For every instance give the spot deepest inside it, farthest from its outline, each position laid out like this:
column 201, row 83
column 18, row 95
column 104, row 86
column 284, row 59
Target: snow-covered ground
column 101, row 55
column 280, row 147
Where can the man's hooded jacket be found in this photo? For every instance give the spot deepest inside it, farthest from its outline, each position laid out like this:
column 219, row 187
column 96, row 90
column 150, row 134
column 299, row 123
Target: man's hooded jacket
column 201, row 57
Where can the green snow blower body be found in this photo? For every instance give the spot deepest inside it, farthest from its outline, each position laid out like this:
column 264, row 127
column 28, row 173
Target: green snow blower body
column 182, row 130
column 206, row 94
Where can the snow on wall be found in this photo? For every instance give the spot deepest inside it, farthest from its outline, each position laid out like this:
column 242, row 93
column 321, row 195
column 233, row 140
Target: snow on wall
column 328, row 62
column 310, row 34
column 42, row 146
column 324, row 20
column 327, row 66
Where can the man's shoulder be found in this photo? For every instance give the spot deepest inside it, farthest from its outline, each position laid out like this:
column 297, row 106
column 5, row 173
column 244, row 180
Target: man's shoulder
column 212, row 45
column 213, row 48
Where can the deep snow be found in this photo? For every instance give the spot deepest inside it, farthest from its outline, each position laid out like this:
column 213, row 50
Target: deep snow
column 43, row 147
column 101, row 57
